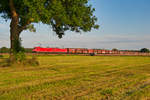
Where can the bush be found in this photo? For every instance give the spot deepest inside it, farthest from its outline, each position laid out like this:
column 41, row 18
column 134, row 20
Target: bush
column 20, row 57
column 1, row 56
column 4, row 50
column 114, row 49
column 28, row 50
column 145, row 50
column 20, row 60
column 33, row 61
column 5, row 63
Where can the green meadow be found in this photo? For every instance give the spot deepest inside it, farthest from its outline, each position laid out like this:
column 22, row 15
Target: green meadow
column 78, row 78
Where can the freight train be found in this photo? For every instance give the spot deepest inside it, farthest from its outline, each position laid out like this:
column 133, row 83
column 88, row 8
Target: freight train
column 71, row 50
column 85, row 51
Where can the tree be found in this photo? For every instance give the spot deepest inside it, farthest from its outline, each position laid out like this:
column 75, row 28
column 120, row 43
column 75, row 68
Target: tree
column 61, row 15
column 145, row 50
column 114, row 49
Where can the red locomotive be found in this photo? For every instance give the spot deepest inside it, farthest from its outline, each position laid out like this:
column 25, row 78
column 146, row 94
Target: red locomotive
column 49, row 50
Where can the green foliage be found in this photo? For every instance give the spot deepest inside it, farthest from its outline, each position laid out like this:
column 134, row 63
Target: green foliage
column 32, row 62
column 18, row 52
column 107, row 92
column 28, row 50
column 145, row 50
column 31, row 28
column 20, row 60
column 114, row 49
column 4, row 50
column 17, row 47
column 1, row 56
column 61, row 15
column 20, row 57
column 5, row 63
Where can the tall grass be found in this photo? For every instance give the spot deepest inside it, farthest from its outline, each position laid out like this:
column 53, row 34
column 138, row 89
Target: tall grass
column 78, row 78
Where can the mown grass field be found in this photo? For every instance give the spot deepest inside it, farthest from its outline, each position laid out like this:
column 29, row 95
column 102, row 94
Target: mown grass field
column 78, row 78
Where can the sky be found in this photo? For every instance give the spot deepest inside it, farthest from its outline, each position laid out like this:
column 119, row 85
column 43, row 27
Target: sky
column 124, row 24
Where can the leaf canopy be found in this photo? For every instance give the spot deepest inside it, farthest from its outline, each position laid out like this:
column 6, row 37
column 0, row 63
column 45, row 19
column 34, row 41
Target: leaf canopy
column 62, row 15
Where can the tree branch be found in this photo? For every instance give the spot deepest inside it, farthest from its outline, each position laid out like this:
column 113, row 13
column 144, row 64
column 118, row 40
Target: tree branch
column 14, row 14
column 24, row 27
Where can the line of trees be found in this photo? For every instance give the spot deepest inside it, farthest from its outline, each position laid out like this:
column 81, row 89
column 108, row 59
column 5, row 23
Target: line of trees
column 4, row 50
column 143, row 50
column 29, row 50
column 7, row 50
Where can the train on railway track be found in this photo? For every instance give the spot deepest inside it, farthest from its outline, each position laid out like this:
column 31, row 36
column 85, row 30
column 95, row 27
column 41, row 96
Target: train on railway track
column 86, row 51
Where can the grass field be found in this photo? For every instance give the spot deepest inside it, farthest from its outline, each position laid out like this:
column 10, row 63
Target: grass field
column 78, row 78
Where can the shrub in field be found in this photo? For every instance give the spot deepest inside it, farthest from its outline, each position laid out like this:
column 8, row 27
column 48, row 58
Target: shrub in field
column 33, row 61
column 20, row 57
column 1, row 56
column 107, row 93
column 20, row 60
column 5, row 63
column 4, row 50
column 145, row 50
column 114, row 49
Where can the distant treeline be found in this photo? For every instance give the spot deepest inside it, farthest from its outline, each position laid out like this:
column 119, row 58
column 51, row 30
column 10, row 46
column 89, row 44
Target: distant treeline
column 6, row 50
column 143, row 50
column 29, row 50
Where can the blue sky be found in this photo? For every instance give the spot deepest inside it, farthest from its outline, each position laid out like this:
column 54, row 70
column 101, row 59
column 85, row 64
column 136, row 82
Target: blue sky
column 124, row 24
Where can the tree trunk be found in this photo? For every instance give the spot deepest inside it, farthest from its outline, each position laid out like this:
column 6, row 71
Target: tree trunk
column 14, row 39
column 14, row 30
